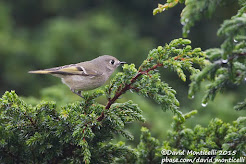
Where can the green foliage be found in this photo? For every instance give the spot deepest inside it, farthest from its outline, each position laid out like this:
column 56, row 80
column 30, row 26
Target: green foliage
column 82, row 131
column 169, row 4
column 241, row 105
column 234, row 32
column 217, row 137
column 147, row 148
column 177, row 56
column 194, row 10
column 228, row 62
column 75, row 135
column 44, row 135
column 77, row 132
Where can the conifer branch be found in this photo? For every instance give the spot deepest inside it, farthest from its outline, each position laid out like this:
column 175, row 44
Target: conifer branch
column 127, row 87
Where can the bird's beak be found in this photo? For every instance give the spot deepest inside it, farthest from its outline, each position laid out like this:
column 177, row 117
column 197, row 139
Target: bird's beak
column 122, row 62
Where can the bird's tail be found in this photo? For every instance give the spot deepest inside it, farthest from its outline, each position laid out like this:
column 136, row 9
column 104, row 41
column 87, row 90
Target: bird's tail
column 41, row 72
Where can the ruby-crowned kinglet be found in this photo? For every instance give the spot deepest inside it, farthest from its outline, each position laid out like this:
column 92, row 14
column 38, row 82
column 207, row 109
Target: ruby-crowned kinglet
column 86, row 75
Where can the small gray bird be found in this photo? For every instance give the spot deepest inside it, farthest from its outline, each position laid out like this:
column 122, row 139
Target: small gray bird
column 86, row 75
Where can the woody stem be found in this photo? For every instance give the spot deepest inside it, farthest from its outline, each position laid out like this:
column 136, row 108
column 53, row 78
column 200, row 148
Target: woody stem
column 127, row 87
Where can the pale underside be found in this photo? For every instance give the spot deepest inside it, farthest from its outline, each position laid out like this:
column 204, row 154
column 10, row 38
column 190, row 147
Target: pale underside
column 83, row 83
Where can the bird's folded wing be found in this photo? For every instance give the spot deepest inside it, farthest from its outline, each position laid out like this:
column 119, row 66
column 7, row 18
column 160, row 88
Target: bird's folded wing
column 78, row 70
column 69, row 70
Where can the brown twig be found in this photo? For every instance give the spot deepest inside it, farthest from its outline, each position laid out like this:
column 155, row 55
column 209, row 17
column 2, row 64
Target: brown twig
column 31, row 120
column 127, row 87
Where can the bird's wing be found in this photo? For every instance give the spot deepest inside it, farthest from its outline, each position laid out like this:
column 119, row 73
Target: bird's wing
column 72, row 69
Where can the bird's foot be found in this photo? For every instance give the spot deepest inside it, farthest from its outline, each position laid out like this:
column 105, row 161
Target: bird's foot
column 77, row 93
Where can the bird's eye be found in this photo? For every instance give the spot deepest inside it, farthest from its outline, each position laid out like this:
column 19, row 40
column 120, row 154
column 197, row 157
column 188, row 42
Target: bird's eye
column 112, row 62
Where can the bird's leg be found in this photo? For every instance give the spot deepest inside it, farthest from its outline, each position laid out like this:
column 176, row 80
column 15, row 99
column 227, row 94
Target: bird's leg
column 77, row 93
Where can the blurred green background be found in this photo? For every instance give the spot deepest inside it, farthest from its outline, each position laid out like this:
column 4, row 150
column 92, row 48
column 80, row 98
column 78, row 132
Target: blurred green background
column 47, row 33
